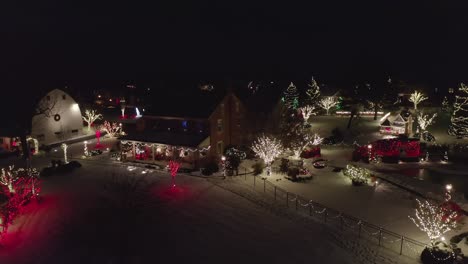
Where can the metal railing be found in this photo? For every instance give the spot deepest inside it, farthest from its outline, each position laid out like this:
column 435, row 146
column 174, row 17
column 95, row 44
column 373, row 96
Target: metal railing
column 340, row 221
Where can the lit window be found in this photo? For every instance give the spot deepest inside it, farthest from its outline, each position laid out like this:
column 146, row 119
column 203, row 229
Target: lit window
column 219, row 125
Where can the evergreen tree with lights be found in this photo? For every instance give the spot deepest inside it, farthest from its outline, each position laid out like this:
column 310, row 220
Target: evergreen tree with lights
column 313, row 93
column 459, row 121
column 291, row 97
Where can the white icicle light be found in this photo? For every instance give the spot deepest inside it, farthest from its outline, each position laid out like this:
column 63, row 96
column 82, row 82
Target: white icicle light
column 433, row 220
column 267, row 148
column 416, row 98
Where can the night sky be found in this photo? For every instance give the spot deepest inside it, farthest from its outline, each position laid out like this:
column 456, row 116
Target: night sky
column 340, row 43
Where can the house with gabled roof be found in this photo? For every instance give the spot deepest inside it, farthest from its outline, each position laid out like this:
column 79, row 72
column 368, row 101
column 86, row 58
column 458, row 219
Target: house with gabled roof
column 397, row 125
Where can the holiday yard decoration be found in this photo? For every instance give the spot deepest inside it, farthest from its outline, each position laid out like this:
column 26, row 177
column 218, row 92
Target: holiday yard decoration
column 268, row 149
column 112, row 130
column 17, row 187
column 173, row 168
column 328, row 102
column 459, row 120
column 313, row 93
column 433, row 220
column 416, row 98
column 64, row 147
column 424, row 120
column 91, row 116
column 36, row 144
column 307, row 111
column 358, row 176
column 302, row 141
column 291, row 97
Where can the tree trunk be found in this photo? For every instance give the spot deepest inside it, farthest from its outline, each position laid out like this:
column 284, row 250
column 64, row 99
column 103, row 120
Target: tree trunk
column 350, row 120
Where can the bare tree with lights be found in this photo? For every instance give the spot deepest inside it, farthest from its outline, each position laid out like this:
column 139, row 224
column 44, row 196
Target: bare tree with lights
column 268, row 149
column 416, row 98
column 433, row 220
column 112, row 129
column 328, row 102
column 307, row 111
column 424, row 120
column 302, row 142
column 91, row 116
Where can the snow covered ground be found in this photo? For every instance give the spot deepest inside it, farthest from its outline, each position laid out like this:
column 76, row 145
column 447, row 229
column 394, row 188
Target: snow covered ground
column 88, row 217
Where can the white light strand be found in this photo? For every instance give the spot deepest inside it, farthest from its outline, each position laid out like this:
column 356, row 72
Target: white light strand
column 433, row 220
column 91, row 116
column 416, row 98
column 268, row 149
column 328, row 102
column 424, row 120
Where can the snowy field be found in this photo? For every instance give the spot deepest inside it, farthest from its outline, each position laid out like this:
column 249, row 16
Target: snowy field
column 87, row 217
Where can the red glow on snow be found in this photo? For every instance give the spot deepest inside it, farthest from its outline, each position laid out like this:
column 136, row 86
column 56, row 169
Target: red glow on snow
column 172, row 192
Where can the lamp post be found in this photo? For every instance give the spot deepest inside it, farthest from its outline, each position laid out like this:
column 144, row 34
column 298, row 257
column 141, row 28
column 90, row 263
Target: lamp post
column 448, row 189
column 369, row 152
column 223, row 162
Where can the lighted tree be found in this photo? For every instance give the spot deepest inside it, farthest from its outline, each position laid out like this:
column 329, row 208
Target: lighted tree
column 459, row 119
column 64, row 147
column 433, row 220
column 291, row 97
column 268, row 149
column 302, row 142
column 424, row 120
column 91, row 116
column 416, row 98
column 7, row 178
column 112, row 129
column 313, row 93
column 445, row 104
column 307, row 111
column 328, row 102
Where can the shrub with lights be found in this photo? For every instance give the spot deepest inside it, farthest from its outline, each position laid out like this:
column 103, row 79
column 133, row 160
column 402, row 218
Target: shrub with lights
column 358, row 176
column 17, row 188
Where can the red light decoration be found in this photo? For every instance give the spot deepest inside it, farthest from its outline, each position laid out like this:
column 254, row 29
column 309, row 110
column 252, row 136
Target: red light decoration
column 173, row 168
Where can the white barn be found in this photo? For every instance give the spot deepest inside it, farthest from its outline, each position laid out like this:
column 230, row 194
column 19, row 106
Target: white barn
column 60, row 119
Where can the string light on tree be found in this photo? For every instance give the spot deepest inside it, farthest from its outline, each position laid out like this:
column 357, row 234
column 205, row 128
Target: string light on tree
column 86, row 152
column 36, row 144
column 328, row 102
column 112, row 130
column 459, row 119
column 291, row 97
column 313, row 93
column 424, row 120
column 433, row 220
column 307, row 111
column 91, row 116
column 416, row 98
column 268, row 149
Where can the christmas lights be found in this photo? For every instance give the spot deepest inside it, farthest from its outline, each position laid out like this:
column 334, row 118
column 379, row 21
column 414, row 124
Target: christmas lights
column 267, row 148
column 433, row 220
column 112, row 130
column 328, row 102
column 357, row 175
column 64, row 147
column 91, row 116
column 307, row 111
column 459, row 119
column 416, row 98
column 313, row 93
column 424, row 121
column 36, row 144
column 291, row 97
